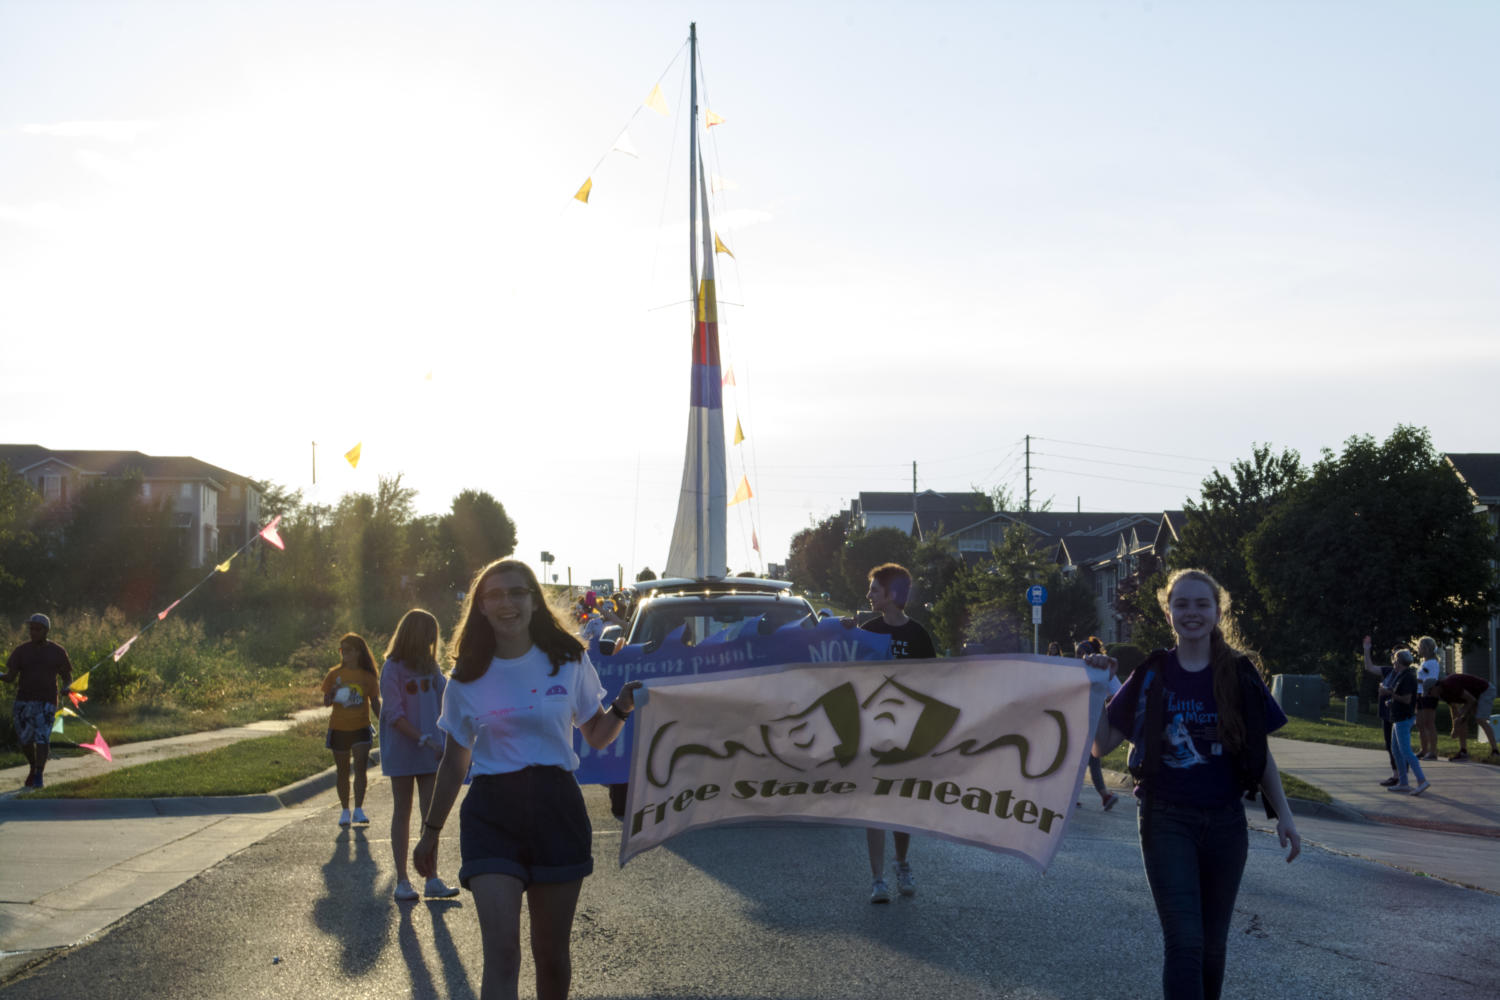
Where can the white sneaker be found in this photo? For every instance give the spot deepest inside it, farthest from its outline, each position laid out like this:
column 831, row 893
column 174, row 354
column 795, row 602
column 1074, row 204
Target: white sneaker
column 344, row 818
column 359, row 815
column 404, row 892
column 880, row 892
column 438, row 889
column 1422, row 788
column 905, row 884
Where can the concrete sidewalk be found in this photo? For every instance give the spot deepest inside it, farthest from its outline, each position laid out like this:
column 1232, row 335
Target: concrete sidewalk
column 1464, row 798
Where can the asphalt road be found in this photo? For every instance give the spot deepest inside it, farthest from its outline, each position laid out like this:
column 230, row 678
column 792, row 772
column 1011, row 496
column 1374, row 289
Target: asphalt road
column 782, row 912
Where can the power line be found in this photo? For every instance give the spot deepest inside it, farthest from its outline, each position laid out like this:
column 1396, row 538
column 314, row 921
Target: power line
column 1100, row 461
column 1137, row 451
column 1115, row 479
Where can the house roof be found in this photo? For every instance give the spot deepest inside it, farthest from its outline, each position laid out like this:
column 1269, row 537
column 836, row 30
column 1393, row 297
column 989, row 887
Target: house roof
column 20, row 457
column 1480, row 472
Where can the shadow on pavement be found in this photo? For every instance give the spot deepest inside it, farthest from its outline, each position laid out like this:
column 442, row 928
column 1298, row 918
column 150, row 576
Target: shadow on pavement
column 350, row 899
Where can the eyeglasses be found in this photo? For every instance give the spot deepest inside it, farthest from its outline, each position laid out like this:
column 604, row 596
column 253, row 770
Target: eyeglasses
column 514, row 593
column 411, row 686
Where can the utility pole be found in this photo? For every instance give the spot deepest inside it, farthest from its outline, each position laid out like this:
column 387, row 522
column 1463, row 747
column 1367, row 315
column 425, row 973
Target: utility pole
column 916, row 520
column 315, row 463
column 1026, row 502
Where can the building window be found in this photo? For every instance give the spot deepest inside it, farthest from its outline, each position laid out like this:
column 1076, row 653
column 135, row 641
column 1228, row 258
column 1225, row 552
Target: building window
column 146, row 491
column 187, row 491
column 52, row 488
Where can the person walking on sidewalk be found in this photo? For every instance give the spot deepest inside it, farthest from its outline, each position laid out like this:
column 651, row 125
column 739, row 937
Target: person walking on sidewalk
column 1198, row 716
column 890, row 586
column 1092, row 646
column 521, row 683
column 1403, row 685
column 411, row 744
column 40, row 664
column 1428, row 674
column 1383, row 704
column 1470, row 698
column 352, row 689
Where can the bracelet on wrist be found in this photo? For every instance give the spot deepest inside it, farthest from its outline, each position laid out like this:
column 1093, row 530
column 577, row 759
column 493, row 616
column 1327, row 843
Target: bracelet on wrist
column 614, row 709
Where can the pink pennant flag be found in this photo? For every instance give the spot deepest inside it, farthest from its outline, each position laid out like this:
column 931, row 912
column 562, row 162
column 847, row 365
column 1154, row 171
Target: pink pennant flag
column 77, row 698
column 125, row 648
column 729, row 377
column 168, row 610
column 98, row 746
column 270, row 535
column 754, row 542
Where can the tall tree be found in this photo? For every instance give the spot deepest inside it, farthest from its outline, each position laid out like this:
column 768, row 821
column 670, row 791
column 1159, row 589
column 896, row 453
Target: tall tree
column 1382, row 540
column 1217, row 530
column 812, row 560
column 474, row 532
column 1070, row 614
column 21, row 560
column 992, row 597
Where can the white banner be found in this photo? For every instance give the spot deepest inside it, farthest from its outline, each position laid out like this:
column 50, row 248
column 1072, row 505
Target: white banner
column 983, row 750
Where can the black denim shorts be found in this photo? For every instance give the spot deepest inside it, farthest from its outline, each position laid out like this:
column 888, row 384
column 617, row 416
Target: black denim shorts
column 530, row 824
column 344, row 740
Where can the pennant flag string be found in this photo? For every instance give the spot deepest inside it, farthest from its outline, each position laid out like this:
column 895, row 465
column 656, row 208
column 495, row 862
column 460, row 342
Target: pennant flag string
column 57, row 725
column 125, row 648
column 624, row 145
column 712, row 119
column 168, row 609
column 98, row 746
column 583, row 192
column 728, row 378
column 656, row 100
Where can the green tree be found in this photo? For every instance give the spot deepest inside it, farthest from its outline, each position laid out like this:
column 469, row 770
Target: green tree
column 1148, row 623
column 113, row 547
column 812, row 561
column 1214, row 538
column 21, row 561
column 646, row 573
column 1380, row 540
column 934, row 564
column 862, row 552
column 474, row 532
column 1070, row 614
column 987, row 604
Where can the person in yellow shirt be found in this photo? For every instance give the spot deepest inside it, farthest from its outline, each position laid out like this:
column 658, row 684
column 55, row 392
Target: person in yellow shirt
column 352, row 690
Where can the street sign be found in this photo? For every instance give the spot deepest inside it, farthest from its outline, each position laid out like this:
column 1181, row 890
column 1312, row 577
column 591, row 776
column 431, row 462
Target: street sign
column 1036, row 614
column 1036, row 595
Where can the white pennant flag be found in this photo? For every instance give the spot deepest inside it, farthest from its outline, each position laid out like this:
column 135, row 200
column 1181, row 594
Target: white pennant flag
column 624, row 145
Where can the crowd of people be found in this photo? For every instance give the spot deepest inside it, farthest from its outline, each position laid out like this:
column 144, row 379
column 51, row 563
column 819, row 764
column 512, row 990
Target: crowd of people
column 1197, row 716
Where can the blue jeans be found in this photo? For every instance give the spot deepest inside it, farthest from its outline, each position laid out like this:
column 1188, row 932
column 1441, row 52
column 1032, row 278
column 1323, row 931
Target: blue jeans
column 1194, row 858
column 1401, row 744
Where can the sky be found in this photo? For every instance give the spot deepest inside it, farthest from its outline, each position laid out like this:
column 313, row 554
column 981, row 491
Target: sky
column 1149, row 236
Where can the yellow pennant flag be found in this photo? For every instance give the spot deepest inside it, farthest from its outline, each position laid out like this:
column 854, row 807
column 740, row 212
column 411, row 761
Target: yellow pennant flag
column 352, row 455
column 657, row 101
column 719, row 246
column 743, row 493
column 712, row 119
column 65, row 710
column 739, row 432
column 223, row 567
column 583, row 192
column 81, row 683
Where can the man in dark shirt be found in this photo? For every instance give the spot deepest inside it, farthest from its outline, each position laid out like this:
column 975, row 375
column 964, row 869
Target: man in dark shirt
column 1470, row 698
column 39, row 664
column 890, row 586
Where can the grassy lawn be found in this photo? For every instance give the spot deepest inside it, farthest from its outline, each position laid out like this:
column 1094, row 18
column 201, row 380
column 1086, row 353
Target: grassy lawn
column 132, row 723
column 245, row 768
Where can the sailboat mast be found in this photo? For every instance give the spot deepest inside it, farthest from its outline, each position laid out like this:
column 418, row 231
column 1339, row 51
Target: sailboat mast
column 693, row 165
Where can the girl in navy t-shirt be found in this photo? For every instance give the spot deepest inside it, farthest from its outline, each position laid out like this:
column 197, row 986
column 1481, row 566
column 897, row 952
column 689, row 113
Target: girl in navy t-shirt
column 1194, row 838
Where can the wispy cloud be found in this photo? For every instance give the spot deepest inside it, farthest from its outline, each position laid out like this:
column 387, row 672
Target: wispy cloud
column 121, row 131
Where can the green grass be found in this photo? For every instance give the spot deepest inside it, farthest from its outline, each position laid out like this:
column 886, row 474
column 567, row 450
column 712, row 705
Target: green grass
column 246, row 768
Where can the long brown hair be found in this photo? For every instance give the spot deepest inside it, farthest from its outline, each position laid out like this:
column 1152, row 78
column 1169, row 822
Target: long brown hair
column 366, row 661
column 416, row 642
column 1223, row 656
column 474, row 643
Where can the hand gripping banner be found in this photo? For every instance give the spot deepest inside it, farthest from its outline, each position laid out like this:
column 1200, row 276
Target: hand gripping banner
column 986, row 750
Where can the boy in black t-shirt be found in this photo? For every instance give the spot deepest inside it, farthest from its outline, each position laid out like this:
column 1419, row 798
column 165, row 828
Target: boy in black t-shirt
column 890, row 586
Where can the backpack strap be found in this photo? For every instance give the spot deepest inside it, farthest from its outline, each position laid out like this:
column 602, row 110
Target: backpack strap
column 1250, row 763
column 1153, row 685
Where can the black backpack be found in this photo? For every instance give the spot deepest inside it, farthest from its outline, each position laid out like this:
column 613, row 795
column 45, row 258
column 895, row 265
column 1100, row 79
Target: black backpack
column 1248, row 764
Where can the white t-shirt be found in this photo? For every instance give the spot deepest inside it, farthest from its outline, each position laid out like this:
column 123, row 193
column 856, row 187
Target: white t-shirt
column 516, row 715
column 1430, row 673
